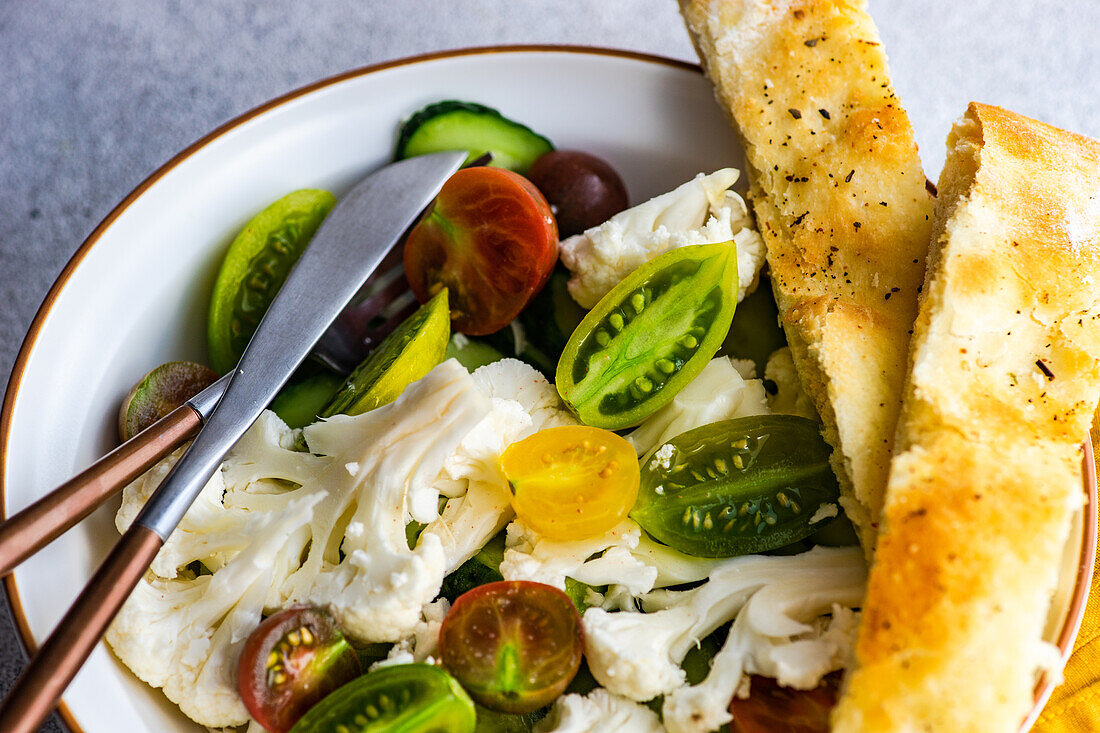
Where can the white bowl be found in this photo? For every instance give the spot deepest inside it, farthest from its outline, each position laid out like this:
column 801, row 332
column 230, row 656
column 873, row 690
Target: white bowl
column 135, row 293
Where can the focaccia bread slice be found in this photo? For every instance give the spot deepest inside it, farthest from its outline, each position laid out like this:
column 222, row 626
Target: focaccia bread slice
column 1004, row 380
column 841, row 201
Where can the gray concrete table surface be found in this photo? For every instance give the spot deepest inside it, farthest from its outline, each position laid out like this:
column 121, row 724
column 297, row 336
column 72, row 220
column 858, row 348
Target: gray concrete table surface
column 95, row 96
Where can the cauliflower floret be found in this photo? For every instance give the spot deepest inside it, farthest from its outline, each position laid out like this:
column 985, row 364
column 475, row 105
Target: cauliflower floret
column 185, row 635
column 182, row 634
column 673, row 567
column 517, row 381
column 701, row 211
column 607, row 559
column 599, row 712
column 422, row 645
column 638, row 655
column 718, row 393
column 478, row 506
column 789, row 398
column 364, row 480
column 780, row 633
column 745, row 367
column 379, row 587
column 212, row 531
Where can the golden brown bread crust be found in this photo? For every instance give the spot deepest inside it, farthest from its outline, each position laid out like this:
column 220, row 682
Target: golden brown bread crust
column 1004, row 380
column 840, row 199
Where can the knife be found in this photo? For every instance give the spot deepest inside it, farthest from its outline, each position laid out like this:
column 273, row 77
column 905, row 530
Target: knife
column 347, row 248
column 345, row 343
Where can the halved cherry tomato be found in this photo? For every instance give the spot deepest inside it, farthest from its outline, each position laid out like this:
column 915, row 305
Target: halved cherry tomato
column 771, row 708
column 514, row 645
column 490, row 239
column 572, row 482
column 291, row 661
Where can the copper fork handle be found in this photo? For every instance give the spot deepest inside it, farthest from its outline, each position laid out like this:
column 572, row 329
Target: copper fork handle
column 39, row 524
column 36, row 692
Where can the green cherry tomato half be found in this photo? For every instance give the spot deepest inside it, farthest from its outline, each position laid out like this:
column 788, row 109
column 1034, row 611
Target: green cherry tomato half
column 771, row 707
column 255, row 267
column 289, row 663
column 650, row 336
column 490, row 239
column 514, row 645
column 159, row 392
column 414, row 348
column 403, row 698
column 739, row 486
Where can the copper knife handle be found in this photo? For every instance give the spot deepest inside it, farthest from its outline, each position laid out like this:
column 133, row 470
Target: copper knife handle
column 36, row 692
column 45, row 520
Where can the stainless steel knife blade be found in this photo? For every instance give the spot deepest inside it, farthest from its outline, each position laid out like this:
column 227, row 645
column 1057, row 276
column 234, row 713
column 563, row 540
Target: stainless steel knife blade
column 346, row 249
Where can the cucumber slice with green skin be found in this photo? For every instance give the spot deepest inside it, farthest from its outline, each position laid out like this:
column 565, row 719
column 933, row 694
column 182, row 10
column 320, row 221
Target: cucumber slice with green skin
column 740, row 486
column 455, row 125
column 471, row 353
column 415, row 348
column 650, row 336
column 404, row 698
column 298, row 403
column 255, row 267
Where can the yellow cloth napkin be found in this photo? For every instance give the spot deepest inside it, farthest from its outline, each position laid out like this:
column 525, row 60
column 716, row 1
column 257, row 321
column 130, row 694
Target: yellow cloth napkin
column 1075, row 705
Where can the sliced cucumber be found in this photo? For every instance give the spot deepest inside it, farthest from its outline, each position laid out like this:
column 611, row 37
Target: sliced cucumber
column 455, row 125
column 304, row 397
column 471, row 352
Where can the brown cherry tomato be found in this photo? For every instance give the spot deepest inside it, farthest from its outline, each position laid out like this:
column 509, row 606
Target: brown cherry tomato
column 490, row 239
column 584, row 191
column 513, row 645
column 290, row 662
column 771, row 708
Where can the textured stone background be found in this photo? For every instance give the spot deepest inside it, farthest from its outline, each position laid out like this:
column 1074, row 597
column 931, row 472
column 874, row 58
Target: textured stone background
column 95, row 96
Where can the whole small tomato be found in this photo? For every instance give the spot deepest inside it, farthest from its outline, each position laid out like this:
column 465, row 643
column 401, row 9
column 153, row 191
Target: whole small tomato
column 290, row 662
column 491, row 240
column 583, row 190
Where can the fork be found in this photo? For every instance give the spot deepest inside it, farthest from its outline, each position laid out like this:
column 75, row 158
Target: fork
column 383, row 302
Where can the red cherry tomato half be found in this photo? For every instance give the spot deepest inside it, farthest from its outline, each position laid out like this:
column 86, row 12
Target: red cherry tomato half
column 490, row 239
column 291, row 661
column 770, row 708
column 513, row 645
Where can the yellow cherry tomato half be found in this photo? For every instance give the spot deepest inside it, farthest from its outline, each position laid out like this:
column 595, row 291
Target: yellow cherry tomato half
column 572, row 483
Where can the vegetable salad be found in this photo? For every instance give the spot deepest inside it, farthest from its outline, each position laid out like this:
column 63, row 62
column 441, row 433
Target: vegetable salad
column 445, row 539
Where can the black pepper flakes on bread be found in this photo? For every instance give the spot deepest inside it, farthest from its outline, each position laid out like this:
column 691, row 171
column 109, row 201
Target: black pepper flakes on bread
column 840, row 199
column 1005, row 376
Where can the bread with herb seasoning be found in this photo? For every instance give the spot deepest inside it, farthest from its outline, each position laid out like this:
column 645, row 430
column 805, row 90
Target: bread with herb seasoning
column 841, row 201
column 987, row 474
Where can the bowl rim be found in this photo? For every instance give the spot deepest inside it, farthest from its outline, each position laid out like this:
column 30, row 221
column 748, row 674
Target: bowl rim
column 1075, row 614
column 11, row 591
